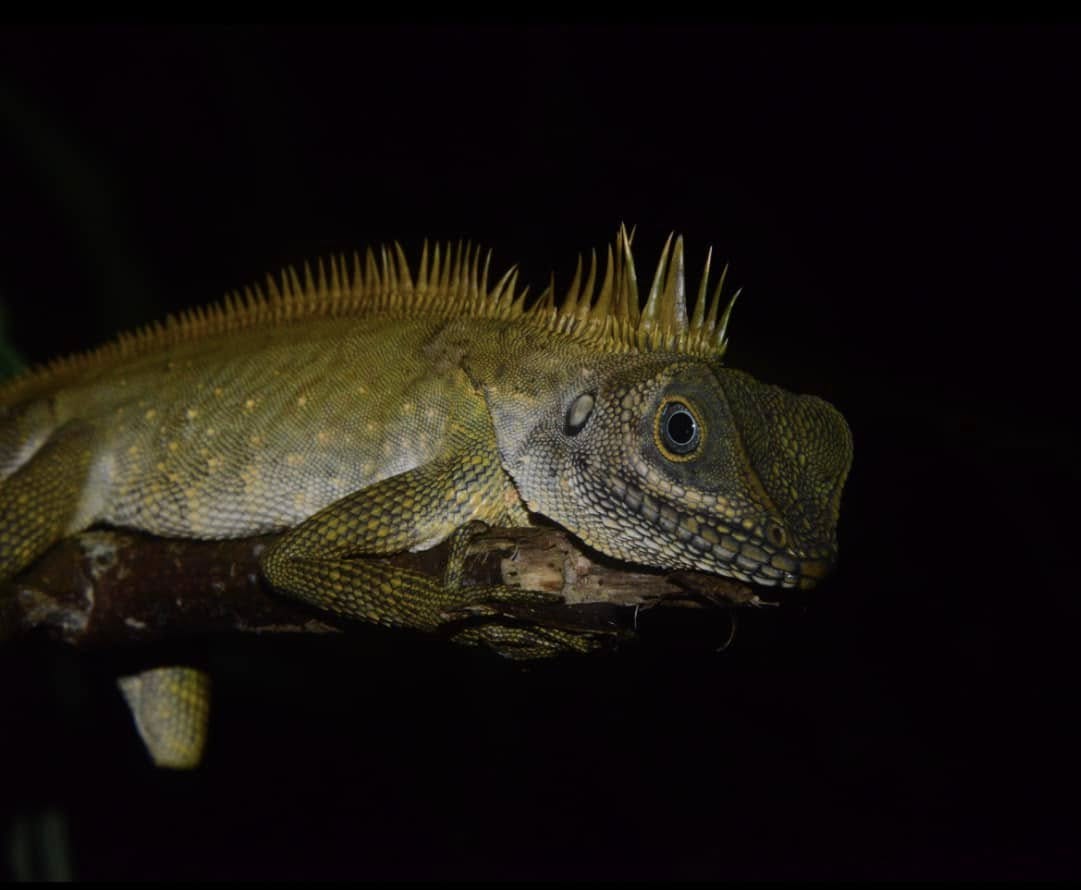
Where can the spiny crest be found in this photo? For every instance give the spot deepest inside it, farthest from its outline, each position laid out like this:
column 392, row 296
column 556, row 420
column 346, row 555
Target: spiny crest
column 613, row 316
column 448, row 282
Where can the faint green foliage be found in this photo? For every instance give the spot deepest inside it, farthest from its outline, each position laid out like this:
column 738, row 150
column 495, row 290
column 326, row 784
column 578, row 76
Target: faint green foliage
column 87, row 195
column 38, row 848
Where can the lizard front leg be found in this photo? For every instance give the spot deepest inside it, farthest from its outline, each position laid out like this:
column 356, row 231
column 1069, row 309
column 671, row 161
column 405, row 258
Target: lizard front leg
column 332, row 560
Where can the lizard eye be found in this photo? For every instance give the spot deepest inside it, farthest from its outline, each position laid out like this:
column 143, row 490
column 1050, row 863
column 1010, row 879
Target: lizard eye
column 578, row 413
column 678, row 432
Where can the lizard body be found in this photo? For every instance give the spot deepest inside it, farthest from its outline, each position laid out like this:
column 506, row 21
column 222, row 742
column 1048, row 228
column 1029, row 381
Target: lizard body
column 373, row 410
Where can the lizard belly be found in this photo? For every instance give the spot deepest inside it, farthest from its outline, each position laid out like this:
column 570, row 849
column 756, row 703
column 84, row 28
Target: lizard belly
column 216, row 493
column 205, row 490
column 242, row 451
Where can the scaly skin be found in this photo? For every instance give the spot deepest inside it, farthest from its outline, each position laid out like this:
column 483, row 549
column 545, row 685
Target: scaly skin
column 370, row 415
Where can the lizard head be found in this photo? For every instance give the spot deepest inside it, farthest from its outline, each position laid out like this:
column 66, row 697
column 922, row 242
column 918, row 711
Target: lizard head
column 684, row 464
column 639, row 441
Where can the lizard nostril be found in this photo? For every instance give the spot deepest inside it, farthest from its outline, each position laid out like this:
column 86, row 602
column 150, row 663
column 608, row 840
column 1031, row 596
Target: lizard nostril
column 776, row 534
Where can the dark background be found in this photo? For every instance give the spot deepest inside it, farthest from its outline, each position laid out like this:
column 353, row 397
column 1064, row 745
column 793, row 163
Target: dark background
column 901, row 206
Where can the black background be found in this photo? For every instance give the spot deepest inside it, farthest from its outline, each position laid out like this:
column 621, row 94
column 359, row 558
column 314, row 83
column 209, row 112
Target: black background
column 900, row 204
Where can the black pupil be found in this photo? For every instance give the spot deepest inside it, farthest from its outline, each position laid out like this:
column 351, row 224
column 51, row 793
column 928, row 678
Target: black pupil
column 680, row 426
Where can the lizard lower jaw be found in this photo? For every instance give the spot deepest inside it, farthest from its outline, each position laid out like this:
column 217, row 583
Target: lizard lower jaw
column 808, row 574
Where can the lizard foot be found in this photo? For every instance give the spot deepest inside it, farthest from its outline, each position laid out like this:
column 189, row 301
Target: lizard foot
column 463, row 601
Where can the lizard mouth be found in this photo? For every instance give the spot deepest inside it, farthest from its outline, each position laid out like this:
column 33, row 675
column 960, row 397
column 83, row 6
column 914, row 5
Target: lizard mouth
column 699, row 543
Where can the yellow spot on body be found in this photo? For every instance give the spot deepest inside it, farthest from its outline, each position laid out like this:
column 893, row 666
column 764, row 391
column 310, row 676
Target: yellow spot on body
column 250, row 478
column 302, row 401
column 362, row 390
column 408, row 407
column 255, row 439
column 322, row 437
column 218, row 391
column 133, row 450
column 249, row 404
column 210, row 432
column 160, row 466
column 192, row 413
column 369, row 427
column 213, row 463
column 151, row 414
column 294, row 459
column 173, row 446
column 300, row 500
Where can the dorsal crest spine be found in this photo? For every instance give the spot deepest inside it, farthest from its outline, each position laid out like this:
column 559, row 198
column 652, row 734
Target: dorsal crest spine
column 449, row 281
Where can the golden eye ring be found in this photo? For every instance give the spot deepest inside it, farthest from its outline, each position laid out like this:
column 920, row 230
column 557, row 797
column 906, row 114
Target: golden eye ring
column 678, row 430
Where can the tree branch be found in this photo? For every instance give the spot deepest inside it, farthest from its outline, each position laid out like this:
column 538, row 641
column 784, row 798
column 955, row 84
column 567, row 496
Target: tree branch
column 106, row 586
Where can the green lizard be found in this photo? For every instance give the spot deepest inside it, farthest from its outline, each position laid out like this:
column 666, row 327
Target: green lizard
column 372, row 408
